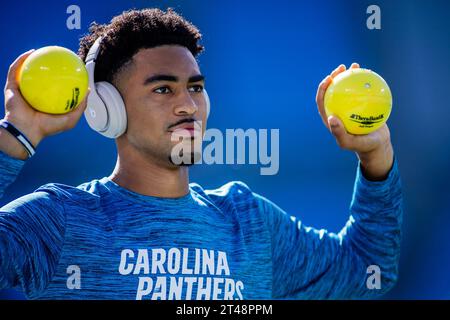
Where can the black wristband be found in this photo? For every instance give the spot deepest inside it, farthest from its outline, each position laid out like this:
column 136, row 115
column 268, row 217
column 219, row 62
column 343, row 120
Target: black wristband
column 19, row 136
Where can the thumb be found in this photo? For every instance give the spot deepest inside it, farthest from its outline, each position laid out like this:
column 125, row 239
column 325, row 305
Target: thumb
column 337, row 128
column 78, row 111
column 83, row 103
column 71, row 118
column 12, row 81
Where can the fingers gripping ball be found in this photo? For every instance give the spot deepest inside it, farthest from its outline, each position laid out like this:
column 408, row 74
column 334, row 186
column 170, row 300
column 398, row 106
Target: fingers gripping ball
column 360, row 98
column 53, row 80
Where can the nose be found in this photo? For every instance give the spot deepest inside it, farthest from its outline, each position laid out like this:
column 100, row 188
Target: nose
column 185, row 105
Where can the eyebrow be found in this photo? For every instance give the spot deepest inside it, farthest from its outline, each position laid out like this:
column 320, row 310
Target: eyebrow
column 171, row 78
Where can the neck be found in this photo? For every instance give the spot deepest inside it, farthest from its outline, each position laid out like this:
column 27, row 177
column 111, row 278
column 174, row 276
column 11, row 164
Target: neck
column 137, row 172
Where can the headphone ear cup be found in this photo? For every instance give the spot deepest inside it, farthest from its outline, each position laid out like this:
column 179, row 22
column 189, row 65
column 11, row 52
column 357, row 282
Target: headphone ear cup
column 115, row 108
column 96, row 114
column 208, row 103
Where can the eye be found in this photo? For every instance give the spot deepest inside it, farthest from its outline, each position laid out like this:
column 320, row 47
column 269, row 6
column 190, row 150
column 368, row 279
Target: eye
column 162, row 90
column 196, row 88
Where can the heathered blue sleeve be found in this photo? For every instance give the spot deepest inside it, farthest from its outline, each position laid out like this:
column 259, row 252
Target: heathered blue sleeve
column 316, row 264
column 31, row 234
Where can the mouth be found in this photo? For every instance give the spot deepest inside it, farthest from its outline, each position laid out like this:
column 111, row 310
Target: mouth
column 191, row 129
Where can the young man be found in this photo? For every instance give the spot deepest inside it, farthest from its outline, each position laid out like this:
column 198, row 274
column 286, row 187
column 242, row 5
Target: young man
column 144, row 232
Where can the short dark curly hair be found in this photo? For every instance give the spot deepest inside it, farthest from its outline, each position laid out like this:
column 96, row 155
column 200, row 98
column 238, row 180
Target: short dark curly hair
column 133, row 30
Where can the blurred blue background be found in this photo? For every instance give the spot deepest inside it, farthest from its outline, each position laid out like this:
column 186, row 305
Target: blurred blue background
column 263, row 62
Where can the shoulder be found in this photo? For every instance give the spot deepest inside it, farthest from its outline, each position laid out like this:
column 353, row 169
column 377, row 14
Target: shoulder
column 43, row 213
column 87, row 193
column 239, row 195
column 235, row 191
column 228, row 189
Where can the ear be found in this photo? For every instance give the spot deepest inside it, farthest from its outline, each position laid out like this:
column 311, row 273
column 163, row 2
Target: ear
column 208, row 103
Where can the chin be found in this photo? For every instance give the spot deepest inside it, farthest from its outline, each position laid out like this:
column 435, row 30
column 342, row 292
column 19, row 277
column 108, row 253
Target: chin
column 185, row 160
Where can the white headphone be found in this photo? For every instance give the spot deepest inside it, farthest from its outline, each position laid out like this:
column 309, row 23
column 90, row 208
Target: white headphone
column 105, row 112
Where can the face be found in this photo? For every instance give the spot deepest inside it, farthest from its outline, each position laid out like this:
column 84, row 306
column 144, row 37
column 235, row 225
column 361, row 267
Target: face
column 162, row 89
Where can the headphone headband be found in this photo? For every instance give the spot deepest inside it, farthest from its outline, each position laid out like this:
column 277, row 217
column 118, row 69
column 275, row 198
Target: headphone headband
column 94, row 50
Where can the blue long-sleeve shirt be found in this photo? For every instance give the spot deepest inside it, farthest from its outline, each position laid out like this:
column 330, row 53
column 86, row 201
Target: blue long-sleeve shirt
column 101, row 241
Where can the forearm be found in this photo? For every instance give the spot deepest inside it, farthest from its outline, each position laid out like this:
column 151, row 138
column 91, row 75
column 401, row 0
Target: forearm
column 371, row 238
column 315, row 264
column 11, row 146
column 376, row 164
column 375, row 234
column 9, row 170
column 8, row 274
column 32, row 230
